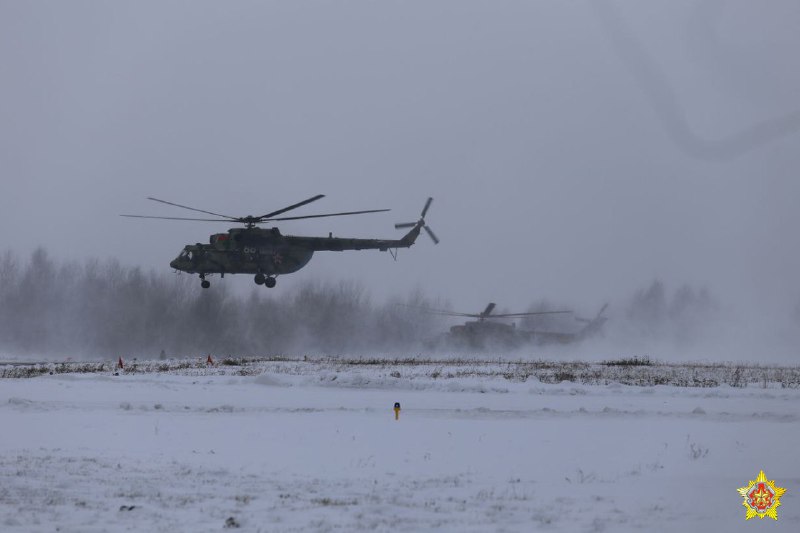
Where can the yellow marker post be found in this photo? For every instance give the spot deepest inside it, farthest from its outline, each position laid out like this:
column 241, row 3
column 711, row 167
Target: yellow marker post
column 397, row 410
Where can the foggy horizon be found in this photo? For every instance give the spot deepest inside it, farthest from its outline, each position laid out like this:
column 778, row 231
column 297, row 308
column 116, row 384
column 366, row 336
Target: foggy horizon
column 576, row 152
column 56, row 309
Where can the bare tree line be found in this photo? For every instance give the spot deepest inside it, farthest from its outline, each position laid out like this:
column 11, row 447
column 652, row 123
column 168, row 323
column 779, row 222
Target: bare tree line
column 104, row 309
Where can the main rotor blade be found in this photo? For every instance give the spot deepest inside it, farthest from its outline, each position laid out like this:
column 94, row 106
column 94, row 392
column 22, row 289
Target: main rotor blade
column 432, row 235
column 326, row 215
column 516, row 315
column 439, row 311
column 190, row 208
column 485, row 313
column 468, row 315
column 427, row 205
column 293, row 206
column 181, row 218
column 405, row 225
column 489, row 309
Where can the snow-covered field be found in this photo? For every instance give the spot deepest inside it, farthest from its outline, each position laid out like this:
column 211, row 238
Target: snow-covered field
column 314, row 446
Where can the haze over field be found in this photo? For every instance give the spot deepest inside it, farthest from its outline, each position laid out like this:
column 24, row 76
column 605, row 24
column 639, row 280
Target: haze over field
column 577, row 152
column 56, row 310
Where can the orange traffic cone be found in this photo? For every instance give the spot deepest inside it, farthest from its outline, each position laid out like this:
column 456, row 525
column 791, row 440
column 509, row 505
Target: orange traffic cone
column 209, row 361
column 120, row 363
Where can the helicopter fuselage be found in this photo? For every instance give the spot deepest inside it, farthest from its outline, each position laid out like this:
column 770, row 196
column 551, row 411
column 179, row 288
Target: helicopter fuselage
column 266, row 251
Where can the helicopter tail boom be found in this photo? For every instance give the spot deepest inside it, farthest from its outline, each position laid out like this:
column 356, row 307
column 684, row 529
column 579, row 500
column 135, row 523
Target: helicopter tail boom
column 410, row 238
column 339, row 244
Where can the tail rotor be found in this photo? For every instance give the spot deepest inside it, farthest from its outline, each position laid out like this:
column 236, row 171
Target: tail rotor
column 420, row 224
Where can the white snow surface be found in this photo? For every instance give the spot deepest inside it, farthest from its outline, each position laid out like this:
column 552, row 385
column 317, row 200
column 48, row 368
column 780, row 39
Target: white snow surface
column 312, row 447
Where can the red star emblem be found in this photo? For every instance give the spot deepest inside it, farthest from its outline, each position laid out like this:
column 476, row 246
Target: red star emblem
column 760, row 498
column 277, row 258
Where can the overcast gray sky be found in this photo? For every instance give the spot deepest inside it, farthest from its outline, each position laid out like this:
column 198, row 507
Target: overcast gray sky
column 575, row 151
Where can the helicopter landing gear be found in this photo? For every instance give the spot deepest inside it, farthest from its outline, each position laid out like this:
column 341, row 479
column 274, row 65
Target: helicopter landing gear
column 267, row 281
column 204, row 282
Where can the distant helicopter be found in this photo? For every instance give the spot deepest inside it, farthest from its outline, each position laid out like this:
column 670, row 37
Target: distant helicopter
column 592, row 327
column 265, row 252
column 486, row 331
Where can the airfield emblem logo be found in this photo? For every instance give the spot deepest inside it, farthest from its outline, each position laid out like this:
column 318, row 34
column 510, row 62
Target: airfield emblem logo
column 761, row 497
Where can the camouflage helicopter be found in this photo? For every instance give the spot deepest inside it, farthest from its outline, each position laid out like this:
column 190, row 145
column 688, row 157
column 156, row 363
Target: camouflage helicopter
column 486, row 331
column 267, row 253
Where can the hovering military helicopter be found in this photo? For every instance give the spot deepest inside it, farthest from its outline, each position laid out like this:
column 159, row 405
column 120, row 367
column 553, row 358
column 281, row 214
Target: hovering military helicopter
column 486, row 331
column 267, row 253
